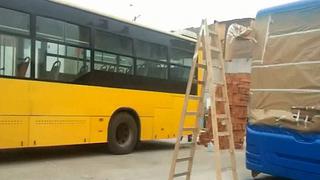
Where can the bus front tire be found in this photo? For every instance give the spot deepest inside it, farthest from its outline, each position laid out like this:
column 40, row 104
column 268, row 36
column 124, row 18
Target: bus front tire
column 122, row 134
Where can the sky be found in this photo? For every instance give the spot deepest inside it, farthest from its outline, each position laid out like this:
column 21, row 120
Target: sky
column 170, row 15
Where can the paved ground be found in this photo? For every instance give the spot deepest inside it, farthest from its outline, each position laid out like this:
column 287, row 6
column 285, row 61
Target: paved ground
column 151, row 161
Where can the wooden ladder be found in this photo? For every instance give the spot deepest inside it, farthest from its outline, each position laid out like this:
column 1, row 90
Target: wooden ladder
column 212, row 78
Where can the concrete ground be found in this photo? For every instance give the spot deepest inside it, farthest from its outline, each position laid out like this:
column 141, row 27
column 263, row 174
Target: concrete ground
column 151, row 161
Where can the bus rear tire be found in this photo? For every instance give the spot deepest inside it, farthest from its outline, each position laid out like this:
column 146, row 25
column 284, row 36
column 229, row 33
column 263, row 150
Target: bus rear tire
column 122, row 134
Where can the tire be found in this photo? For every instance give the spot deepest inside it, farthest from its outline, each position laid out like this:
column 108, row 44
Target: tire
column 122, row 134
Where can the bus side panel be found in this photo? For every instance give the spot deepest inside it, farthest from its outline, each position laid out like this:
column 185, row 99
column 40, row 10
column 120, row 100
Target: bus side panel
column 53, row 99
column 59, row 130
column 58, row 99
column 15, row 99
column 14, row 111
column 14, row 131
column 176, row 115
column 98, row 129
column 55, row 111
column 147, row 128
column 163, row 125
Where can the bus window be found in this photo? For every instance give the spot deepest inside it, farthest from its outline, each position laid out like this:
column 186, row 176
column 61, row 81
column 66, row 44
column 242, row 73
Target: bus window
column 113, row 63
column 113, row 43
column 179, row 73
column 50, row 29
column 181, row 62
column 73, row 62
column 77, row 35
column 56, row 60
column 152, row 69
column 15, row 51
column 105, row 61
column 125, row 65
column 60, row 62
column 152, row 51
column 181, row 57
column 60, row 31
column 182, row 45
column 14, row 22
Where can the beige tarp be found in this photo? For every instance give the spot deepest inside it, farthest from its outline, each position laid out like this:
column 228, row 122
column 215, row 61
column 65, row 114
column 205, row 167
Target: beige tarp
column 286, row 69
column 239, row 42
column 234, row 35
column 286, row 77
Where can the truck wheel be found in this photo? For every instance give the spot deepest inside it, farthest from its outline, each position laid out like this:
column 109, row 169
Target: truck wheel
column 122, row 134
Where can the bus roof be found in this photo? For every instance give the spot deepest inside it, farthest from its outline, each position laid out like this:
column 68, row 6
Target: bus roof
column 302, row 4
column 75, row 5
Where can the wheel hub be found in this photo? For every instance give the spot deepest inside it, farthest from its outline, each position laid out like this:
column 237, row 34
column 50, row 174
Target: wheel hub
column 122, row 133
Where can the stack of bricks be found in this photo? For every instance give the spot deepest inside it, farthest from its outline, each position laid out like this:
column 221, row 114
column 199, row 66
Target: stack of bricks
column 238, row 93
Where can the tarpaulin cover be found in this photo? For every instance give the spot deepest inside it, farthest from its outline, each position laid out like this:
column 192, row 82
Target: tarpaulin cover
column 235, row 36
column 286, row 65
column 239, row 41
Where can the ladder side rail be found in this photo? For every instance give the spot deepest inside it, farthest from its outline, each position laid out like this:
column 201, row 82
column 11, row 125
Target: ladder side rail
column 183, row 113
column 200, row 111
column 228, row 114
column 212, row 87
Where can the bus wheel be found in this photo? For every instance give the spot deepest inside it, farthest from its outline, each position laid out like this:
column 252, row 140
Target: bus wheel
column 122, row 134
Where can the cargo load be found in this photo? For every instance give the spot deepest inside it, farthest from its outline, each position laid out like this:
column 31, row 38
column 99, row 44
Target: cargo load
column 283, row 135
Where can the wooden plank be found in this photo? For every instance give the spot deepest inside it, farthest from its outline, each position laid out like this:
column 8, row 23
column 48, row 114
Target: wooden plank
column 190, row 129
column 184, row 159
column 181, row 174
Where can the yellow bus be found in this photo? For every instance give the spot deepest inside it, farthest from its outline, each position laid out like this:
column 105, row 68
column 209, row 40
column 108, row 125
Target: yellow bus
column 74, row 76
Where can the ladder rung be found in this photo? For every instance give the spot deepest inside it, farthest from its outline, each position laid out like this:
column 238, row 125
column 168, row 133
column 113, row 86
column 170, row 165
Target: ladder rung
column 220, row 99
column 200, row 82
column 191, row 113
column 220, row 84
column 190, row 129
column 215, row 49
column 216, row 66
column 231, row 151
column 221, row 116
column 203, row 66
column 226, row 169
column 223, row 133
column 187, row 143
column 181, row 174
column 194, row 97
column 184, row 159
column 213, row 33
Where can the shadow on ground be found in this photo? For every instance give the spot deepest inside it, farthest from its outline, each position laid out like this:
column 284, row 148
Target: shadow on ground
column 270, row 178
column 24, row 156
column 74, row 151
